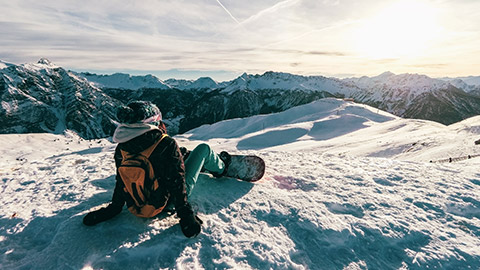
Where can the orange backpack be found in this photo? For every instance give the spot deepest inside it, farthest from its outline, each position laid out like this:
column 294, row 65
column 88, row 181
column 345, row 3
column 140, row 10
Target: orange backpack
column 139, row 178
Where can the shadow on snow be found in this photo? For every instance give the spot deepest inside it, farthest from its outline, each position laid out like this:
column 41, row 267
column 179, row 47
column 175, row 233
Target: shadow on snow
column 63, row 242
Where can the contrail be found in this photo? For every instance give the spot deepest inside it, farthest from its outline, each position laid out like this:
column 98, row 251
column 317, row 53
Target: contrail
column 226, row 10
column 274, row 8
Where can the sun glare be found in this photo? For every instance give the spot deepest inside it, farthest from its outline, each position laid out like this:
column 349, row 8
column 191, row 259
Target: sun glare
column 404, row 29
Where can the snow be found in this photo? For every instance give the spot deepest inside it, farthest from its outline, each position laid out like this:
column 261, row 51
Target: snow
column 347, row 187
column 43, row 64
column 4, row 64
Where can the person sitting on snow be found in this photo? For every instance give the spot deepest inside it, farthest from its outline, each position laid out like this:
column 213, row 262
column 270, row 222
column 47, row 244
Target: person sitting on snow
column 142, row 133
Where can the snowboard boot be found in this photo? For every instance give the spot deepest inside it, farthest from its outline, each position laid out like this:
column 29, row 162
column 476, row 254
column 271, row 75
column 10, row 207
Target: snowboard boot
column 226, row 158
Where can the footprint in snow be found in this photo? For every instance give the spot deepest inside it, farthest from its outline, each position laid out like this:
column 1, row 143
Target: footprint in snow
column 475, row 181
column 468, row 208
column 345, row 209
column 383, row 182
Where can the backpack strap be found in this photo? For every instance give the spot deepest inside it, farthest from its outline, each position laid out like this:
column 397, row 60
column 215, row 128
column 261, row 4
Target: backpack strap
column 147, row 152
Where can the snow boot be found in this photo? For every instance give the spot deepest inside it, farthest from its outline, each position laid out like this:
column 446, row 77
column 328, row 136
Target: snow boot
column 226, row 158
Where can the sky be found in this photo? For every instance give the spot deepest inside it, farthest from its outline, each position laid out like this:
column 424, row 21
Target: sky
column 187, row 39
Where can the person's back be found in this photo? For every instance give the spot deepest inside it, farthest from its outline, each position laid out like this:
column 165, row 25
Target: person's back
column 140, row 129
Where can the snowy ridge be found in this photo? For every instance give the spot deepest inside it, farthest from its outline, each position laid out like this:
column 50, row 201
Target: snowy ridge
column 125, row 81
column 200, row 83
column 42, row 64
column 4, row 64
column 393, row 89
column 461, row 84
column 415, row 83
column 469, row 80
column 285, row 81
column 319, row 206
column 417, row 96
column 328, row 109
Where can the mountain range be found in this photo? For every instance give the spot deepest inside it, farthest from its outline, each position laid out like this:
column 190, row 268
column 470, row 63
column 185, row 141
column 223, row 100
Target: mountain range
column 43, row 97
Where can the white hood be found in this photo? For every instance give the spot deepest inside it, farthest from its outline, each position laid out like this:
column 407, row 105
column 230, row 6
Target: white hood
column 126, row 132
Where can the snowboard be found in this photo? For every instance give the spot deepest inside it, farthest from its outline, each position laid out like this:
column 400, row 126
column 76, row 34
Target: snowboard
column 248, row 168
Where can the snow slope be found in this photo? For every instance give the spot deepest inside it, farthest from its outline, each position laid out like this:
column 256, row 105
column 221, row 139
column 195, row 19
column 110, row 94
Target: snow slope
column 339, row 193
column 337, row 127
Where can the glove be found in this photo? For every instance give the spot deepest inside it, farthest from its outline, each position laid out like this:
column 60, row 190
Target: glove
column 190, row 223
column 92, row 218
column 100, row 215
column 191, row 226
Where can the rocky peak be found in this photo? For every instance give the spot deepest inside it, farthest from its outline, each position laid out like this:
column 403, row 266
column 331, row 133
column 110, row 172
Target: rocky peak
column 45, row 61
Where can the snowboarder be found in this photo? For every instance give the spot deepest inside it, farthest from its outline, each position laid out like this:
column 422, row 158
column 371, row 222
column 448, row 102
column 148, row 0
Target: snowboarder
column 142, row 129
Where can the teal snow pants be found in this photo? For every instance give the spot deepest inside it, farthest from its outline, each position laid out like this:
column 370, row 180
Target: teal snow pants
column 201, row 157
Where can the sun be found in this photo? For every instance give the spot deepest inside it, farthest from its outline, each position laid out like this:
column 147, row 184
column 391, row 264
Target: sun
column 403, row 29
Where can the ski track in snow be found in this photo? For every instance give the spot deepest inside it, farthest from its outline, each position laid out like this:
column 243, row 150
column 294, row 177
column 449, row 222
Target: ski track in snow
column 319, row 205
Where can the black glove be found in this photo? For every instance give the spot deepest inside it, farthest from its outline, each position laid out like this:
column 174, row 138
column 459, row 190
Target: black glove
column 190, row 223
column 92, row 218
column 100, row 215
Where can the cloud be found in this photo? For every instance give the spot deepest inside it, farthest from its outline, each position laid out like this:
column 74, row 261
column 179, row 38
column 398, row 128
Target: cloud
column 431, row 65
column 283, row 35
column 325, row 53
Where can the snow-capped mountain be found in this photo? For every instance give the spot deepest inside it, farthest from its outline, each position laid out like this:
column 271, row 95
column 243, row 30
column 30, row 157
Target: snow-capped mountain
column 43, row 97
column 469, row 80
column 347, row 186
column 124, row 81
column 416, row 96
column 285, row 81
column 472, row 87
column 198, row 84
column 415, row 84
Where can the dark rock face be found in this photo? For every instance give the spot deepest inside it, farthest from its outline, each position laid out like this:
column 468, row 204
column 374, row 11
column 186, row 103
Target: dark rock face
column 44, row 98
column 447, row 107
